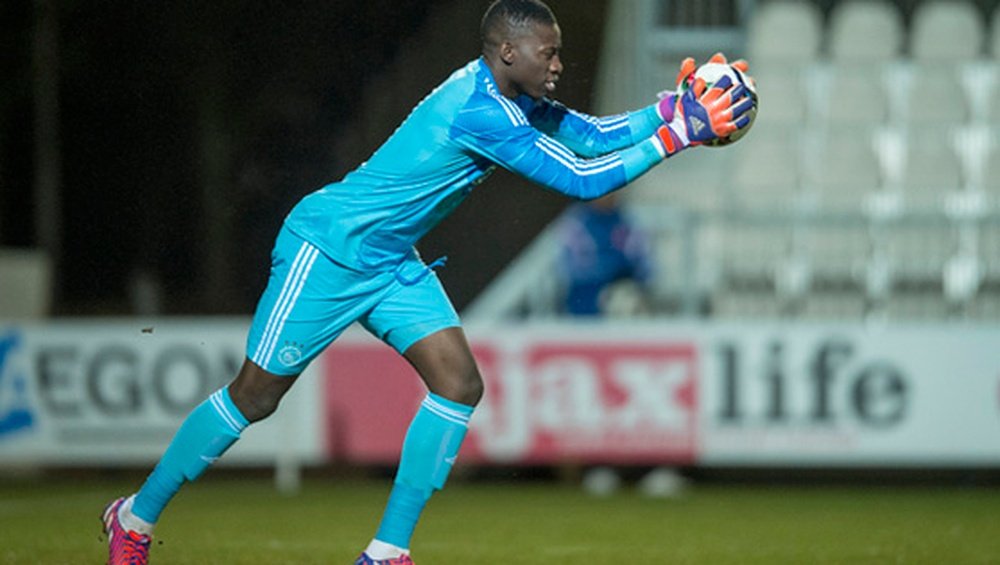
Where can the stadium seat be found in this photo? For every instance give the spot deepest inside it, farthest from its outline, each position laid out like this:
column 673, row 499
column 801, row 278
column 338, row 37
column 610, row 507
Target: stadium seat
column 932, row 170
column 753, row 252
column 859, row 97
column 782, row 87
column 990, row 176
column 693, row 181
column 745, row 305
column 845, row 170
column 946, row 30
column 785, row 31
column 984, row 307
column 937, row 96
column 668, row 263
column 989, row 251
column 961, row 278
column 768, row 169
column 834, row 305
column 838, row 252
column 993, row 101
column 868, row 31
column 919, row 251
column 916, row 305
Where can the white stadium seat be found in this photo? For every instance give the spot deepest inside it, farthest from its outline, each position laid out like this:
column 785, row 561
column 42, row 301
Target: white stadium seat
column 783, row 92
column 919, row 251
column 838, row 252
column 786, row 31
column 932, row 170
column 768, row 170
column 846, row 169
column 868, row 31
column 946, row 30
column 857, row 96
column 937, row 96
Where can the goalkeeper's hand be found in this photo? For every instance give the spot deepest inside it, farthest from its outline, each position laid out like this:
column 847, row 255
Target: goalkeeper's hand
column 703, row 114
column 688, row 67
column 668, row 98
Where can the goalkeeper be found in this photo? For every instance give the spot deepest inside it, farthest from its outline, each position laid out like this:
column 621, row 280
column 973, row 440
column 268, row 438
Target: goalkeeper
column 345, row 253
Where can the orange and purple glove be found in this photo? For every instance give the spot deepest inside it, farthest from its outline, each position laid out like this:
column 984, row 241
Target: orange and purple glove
column 697, row 113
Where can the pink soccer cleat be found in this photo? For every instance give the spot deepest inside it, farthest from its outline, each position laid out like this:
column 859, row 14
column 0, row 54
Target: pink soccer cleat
column 363, row 559
column 125, row 547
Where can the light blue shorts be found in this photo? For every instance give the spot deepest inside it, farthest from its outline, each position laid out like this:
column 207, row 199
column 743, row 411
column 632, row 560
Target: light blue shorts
column 310, row 300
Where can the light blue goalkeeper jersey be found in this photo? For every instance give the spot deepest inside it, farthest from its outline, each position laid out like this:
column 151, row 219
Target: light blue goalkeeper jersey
column 448, row 144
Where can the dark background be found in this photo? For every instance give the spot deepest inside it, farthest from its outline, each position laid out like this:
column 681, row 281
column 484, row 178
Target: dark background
column 187, row 130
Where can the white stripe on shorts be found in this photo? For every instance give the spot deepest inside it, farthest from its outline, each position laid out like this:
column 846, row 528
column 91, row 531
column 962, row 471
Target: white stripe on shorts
column 290, row 291
column 271, row 320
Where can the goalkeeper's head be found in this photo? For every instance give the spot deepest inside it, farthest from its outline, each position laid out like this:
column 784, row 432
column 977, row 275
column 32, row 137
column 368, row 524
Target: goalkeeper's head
column 521, row 43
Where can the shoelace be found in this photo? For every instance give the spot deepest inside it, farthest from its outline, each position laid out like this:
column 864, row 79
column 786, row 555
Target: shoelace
column 136, row 548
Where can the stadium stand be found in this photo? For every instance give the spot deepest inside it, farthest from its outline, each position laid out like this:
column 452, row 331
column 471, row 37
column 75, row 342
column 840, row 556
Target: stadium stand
column 870, row 185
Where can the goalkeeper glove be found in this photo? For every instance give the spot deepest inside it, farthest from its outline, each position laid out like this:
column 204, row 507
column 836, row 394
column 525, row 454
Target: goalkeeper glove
column 668, row 98
column 685, row 77
column 701, row 114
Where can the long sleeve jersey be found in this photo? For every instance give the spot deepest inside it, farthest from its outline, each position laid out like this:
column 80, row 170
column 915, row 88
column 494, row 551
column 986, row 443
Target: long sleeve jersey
column 451, row 141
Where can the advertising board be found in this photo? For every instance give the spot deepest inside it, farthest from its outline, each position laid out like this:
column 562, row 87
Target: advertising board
column 114, row 392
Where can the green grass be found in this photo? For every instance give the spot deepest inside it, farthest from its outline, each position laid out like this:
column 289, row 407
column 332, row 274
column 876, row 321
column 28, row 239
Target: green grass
column 232, row 521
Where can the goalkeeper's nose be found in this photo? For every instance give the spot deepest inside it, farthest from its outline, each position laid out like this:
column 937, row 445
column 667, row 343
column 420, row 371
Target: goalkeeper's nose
column 555, row 67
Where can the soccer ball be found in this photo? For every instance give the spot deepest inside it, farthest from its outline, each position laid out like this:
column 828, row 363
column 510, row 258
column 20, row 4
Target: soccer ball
column 712, row 73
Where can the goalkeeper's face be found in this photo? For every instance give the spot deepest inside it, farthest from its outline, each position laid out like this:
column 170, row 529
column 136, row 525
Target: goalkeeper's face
column 535, row 66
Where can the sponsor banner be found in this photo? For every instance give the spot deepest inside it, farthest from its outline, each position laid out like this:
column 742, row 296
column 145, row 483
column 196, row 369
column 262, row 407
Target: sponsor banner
column 709, row 394
column 549, row 398
column 851, row 395
column 114, row 392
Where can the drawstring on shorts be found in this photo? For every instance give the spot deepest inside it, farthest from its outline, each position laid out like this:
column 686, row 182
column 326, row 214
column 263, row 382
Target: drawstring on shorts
column 408, row 281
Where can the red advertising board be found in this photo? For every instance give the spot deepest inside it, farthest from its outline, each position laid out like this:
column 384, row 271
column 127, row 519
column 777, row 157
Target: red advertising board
column 545, row 402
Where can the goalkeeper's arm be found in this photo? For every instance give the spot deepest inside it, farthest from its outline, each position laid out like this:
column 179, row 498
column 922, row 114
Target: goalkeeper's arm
column 521, row 148
column 592, row 136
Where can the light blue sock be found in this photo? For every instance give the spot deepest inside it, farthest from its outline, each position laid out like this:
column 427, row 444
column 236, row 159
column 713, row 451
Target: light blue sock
column 429, row 451
column 205, row 435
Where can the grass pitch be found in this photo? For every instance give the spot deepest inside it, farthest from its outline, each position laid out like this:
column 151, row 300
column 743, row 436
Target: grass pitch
column 244, row 521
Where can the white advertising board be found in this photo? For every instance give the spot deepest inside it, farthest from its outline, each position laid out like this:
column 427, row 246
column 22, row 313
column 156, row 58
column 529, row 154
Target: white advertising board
column 114, row 392
column 851, row 395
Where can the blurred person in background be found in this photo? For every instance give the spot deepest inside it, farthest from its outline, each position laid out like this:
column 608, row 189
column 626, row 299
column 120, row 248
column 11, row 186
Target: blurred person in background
column 605, row 262
column 346, row 254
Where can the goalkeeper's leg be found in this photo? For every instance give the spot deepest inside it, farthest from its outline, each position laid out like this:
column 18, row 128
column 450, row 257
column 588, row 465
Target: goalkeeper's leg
column 445, row 362
column 208, row 431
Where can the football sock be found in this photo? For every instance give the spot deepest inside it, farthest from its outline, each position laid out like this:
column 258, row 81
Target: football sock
column 379, row 550
column 429, row 451
column 132, row 522
column 205, row 435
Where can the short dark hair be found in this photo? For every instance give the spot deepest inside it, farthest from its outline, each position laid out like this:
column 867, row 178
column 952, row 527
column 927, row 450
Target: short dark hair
column 507, row 18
